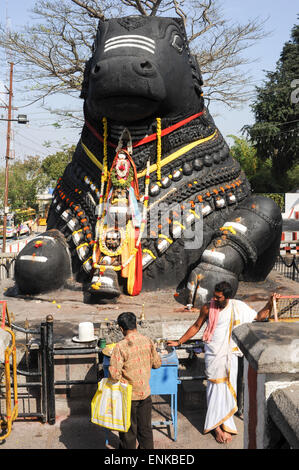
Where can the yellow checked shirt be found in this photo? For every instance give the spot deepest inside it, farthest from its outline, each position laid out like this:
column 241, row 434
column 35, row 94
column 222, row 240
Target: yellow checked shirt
column 131, row 362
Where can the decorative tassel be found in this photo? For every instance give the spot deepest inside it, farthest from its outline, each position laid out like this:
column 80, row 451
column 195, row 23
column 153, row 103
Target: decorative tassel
column 103, row 181
column 105, row 159
column 159, row 150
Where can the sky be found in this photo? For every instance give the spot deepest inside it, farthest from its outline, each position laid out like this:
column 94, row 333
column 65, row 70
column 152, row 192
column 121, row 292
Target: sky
column 30, row 139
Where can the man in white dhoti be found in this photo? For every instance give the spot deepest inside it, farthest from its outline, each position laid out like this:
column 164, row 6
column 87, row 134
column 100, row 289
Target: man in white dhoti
column 222, row 314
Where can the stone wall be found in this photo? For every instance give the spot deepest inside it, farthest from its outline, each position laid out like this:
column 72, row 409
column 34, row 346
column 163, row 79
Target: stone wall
column 271, row 370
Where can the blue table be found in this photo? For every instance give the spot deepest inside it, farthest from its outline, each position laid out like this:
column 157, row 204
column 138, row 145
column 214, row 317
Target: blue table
column 163, row 381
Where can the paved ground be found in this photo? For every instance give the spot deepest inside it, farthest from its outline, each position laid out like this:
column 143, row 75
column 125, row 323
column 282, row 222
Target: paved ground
column 77, row 432
column 73, row 429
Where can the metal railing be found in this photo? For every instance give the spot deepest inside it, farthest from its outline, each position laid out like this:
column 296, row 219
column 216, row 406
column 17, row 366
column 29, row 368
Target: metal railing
column 7, row 265
column 288, row 266
column 10, row 361
column 41, row 379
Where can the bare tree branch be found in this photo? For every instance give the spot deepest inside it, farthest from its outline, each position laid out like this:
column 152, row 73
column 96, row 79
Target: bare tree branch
column 50, row 54
column 95, row 13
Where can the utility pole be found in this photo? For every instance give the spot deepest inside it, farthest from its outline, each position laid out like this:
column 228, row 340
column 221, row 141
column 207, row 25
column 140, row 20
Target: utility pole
column 8, row 136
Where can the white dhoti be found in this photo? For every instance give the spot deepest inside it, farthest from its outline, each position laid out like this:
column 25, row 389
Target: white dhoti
column 221, row 361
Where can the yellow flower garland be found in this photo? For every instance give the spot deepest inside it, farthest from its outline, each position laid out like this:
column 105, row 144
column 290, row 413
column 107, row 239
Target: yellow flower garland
column 159, row 150
column 102, row 245
column 105, row 159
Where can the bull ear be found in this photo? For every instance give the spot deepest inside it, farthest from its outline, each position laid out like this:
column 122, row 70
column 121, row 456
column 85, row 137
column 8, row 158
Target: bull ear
column 180, row 22
column 196, row 73
column 85, row 83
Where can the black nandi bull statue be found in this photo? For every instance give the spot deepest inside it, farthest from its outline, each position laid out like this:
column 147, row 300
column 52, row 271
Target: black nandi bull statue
column 150, row 168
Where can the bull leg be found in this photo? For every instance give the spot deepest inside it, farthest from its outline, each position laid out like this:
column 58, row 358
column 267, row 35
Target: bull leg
column 44, row 264
column 245, row 247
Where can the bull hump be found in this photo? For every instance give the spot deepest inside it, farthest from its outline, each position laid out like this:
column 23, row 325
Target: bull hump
column 131, row 23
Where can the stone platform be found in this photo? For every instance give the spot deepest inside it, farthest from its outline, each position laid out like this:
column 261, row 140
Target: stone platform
column 68, row 306
column 165, row 317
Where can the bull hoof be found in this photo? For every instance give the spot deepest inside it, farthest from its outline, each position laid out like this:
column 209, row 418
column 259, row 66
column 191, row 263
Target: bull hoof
column 200, row 287
column 44, row 264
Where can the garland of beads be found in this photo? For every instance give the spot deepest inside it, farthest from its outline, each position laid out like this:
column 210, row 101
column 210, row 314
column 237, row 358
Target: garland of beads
column 105, row 160
column 103, row 181
column 159, row 150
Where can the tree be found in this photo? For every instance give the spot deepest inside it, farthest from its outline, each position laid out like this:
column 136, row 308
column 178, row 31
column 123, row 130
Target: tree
column 33, row 175
column 50, row 54
column 276, row 109
column 25, row 181
column 293, row 178
column 257, row 171
column 245, row 153
column 53, row 165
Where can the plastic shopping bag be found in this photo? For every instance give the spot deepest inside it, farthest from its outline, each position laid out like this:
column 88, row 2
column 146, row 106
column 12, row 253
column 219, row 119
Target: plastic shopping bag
column 111, row 405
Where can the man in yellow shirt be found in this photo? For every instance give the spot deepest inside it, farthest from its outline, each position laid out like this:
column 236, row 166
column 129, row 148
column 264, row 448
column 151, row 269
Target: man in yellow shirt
column 131, row 362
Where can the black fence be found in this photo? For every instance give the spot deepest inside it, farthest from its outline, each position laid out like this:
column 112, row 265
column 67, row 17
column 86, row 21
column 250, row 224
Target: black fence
column 288, row 266
column 40, row 383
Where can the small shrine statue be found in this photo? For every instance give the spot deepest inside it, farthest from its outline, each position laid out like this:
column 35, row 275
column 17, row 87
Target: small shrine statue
column 118, row 247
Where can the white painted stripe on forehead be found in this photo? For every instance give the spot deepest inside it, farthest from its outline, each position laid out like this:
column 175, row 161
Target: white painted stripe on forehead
column 130, row 36
column 134, row 41
column 129, row 44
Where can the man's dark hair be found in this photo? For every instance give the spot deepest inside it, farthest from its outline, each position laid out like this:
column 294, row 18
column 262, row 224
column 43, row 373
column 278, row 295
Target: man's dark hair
column 225, row 288
column 127, row 320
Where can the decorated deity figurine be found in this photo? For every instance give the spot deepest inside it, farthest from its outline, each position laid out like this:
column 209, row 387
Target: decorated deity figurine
column 118, row 229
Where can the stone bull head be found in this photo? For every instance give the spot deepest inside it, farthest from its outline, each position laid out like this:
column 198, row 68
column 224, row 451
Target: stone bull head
column 137, row 68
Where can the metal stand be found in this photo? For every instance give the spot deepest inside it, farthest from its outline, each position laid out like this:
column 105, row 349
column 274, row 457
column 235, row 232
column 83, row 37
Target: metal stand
column 164, row 381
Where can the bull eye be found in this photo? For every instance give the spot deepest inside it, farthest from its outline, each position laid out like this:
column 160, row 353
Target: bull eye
column 146, row 65
column 96, row 68
column 178, row 43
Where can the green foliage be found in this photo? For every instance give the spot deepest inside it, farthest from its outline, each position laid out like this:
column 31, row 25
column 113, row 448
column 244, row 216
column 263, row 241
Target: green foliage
column 32, row 176
column 278, row 198
column 24, row 182
column 257, row 171
column 275, row 133
column 245, row 153
column 54, row 165
column 293, row 177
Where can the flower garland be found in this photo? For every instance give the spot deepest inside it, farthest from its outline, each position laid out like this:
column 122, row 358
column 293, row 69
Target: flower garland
column 102, row 244
column 143, row 220
column 159, row 150
column 105, row 159
column 103, row 181
column 121, row 183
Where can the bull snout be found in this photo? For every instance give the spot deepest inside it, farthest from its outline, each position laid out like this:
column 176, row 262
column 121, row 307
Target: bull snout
column 125, row 87
column 141, row 67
